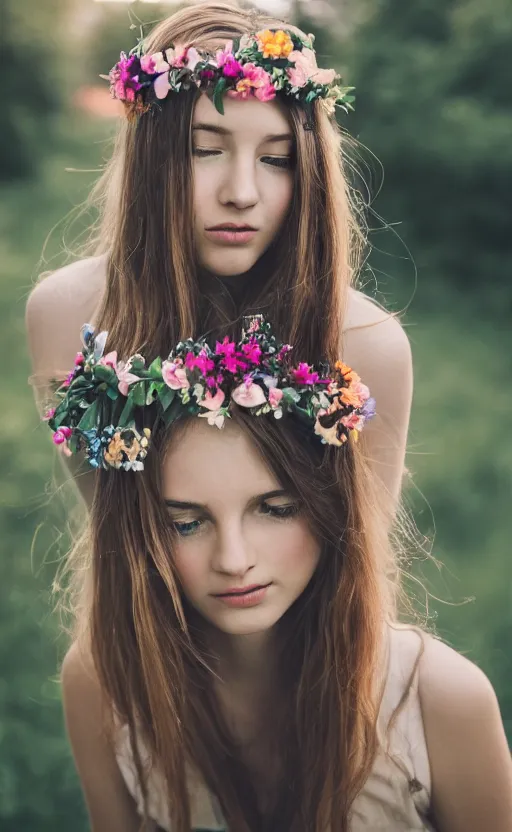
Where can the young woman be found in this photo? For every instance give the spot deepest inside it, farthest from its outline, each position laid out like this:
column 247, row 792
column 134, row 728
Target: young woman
column 207, row 216
column 237, row 659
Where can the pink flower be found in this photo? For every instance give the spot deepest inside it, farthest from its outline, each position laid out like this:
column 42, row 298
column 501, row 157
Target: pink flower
column 201, row 361
column 147, row 64
column 258, row 76
column 224, row 54
column 303, row 374
column 174, row 375
column 124, row 79
column 274, row 396
column 49, row 414
column 162, row 86
column 248, row 395
column 212, row 402
column 306, row 69
column 154, row 64
column 353, row 421
column 267, row 93
column 243, row 90
column 69, row 378
column 176, row 57
column 361, row 390
column 252, row 351
column 192, row 58
column 324, row 76
column 79, row 359
column 109, row 360
column 124, row 377
column 297, row 76
column 231, row 68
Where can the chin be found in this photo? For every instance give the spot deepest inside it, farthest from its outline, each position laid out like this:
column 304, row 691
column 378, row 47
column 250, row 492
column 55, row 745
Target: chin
column 246, row 622
column 230, row 263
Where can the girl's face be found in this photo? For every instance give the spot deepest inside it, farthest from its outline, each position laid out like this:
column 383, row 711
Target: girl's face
column 244, row 552
column 243, row 181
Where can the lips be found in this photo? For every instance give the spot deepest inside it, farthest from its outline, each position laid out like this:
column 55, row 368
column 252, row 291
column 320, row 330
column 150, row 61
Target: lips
column 231, row 226
column 231, row 234
column 242, row 590
column 243, row 597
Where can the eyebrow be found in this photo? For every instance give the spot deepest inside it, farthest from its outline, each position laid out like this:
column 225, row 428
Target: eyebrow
column 185, row 505
column 221, row 131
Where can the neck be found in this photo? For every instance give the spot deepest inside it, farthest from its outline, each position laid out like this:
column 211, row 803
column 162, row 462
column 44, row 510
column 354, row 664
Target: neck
column 245, row 659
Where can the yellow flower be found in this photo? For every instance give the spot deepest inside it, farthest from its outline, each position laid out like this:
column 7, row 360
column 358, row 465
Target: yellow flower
column 274, row 44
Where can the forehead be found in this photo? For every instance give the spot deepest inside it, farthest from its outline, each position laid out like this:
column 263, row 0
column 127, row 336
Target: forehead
column 251, row 118
column 214, row 467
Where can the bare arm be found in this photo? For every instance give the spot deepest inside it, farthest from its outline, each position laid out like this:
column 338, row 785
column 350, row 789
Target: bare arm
column 111, row 808
column 469, row 757
column 56, row 309
column 376, row 346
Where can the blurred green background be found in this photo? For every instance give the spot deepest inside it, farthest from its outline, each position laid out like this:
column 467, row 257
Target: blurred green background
column 433, row 83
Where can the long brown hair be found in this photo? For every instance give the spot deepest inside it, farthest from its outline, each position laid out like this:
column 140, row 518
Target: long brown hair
column 153, row 294
column 157, row 676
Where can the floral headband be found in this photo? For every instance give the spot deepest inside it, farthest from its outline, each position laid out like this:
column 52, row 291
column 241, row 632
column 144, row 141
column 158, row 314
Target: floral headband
column 259, row 65
column 104, row 402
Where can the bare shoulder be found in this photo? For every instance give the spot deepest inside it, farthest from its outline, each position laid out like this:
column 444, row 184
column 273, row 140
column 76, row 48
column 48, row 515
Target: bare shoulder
column 57, row 307
column 375, row 344
column 468, row 751
column 367, row 321
column 111, row 808
column 450, row 684
column 78, row 675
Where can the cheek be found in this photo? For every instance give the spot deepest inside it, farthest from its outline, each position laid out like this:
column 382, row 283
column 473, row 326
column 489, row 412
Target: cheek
column 203, row 189
column 192, row 567
column 280, row 197
column 296, row 552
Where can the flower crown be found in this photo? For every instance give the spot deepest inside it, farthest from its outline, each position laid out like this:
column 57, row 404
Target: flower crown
column 259, row 65
column 104, row 402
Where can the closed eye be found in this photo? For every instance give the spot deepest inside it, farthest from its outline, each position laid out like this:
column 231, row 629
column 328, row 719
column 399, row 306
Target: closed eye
column 284, row 162
column 204, row 151
column 280, row 512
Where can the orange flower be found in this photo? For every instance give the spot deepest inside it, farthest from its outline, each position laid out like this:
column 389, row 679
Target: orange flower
column 274, row 44
column 347, row 372
column 114, row 452
column 349, row 397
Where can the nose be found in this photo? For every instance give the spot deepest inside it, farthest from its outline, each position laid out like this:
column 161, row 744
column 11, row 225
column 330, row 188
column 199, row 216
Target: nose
column 239, row 187
column 233, row 554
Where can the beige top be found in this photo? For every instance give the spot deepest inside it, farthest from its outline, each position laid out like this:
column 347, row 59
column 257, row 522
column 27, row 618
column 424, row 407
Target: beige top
column 396, row 795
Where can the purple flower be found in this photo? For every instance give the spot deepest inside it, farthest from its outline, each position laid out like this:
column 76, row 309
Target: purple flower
column 124, row 78
column 370, row 408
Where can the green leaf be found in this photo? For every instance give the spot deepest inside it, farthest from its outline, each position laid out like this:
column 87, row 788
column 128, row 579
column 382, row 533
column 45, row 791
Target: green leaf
column 136, row 365
column 166, row 397
column 218, row 94
column 104, row 373
column 173, row 411
column 89, row 418
column 126, row 414
column 138, row 393
column 155, row 368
